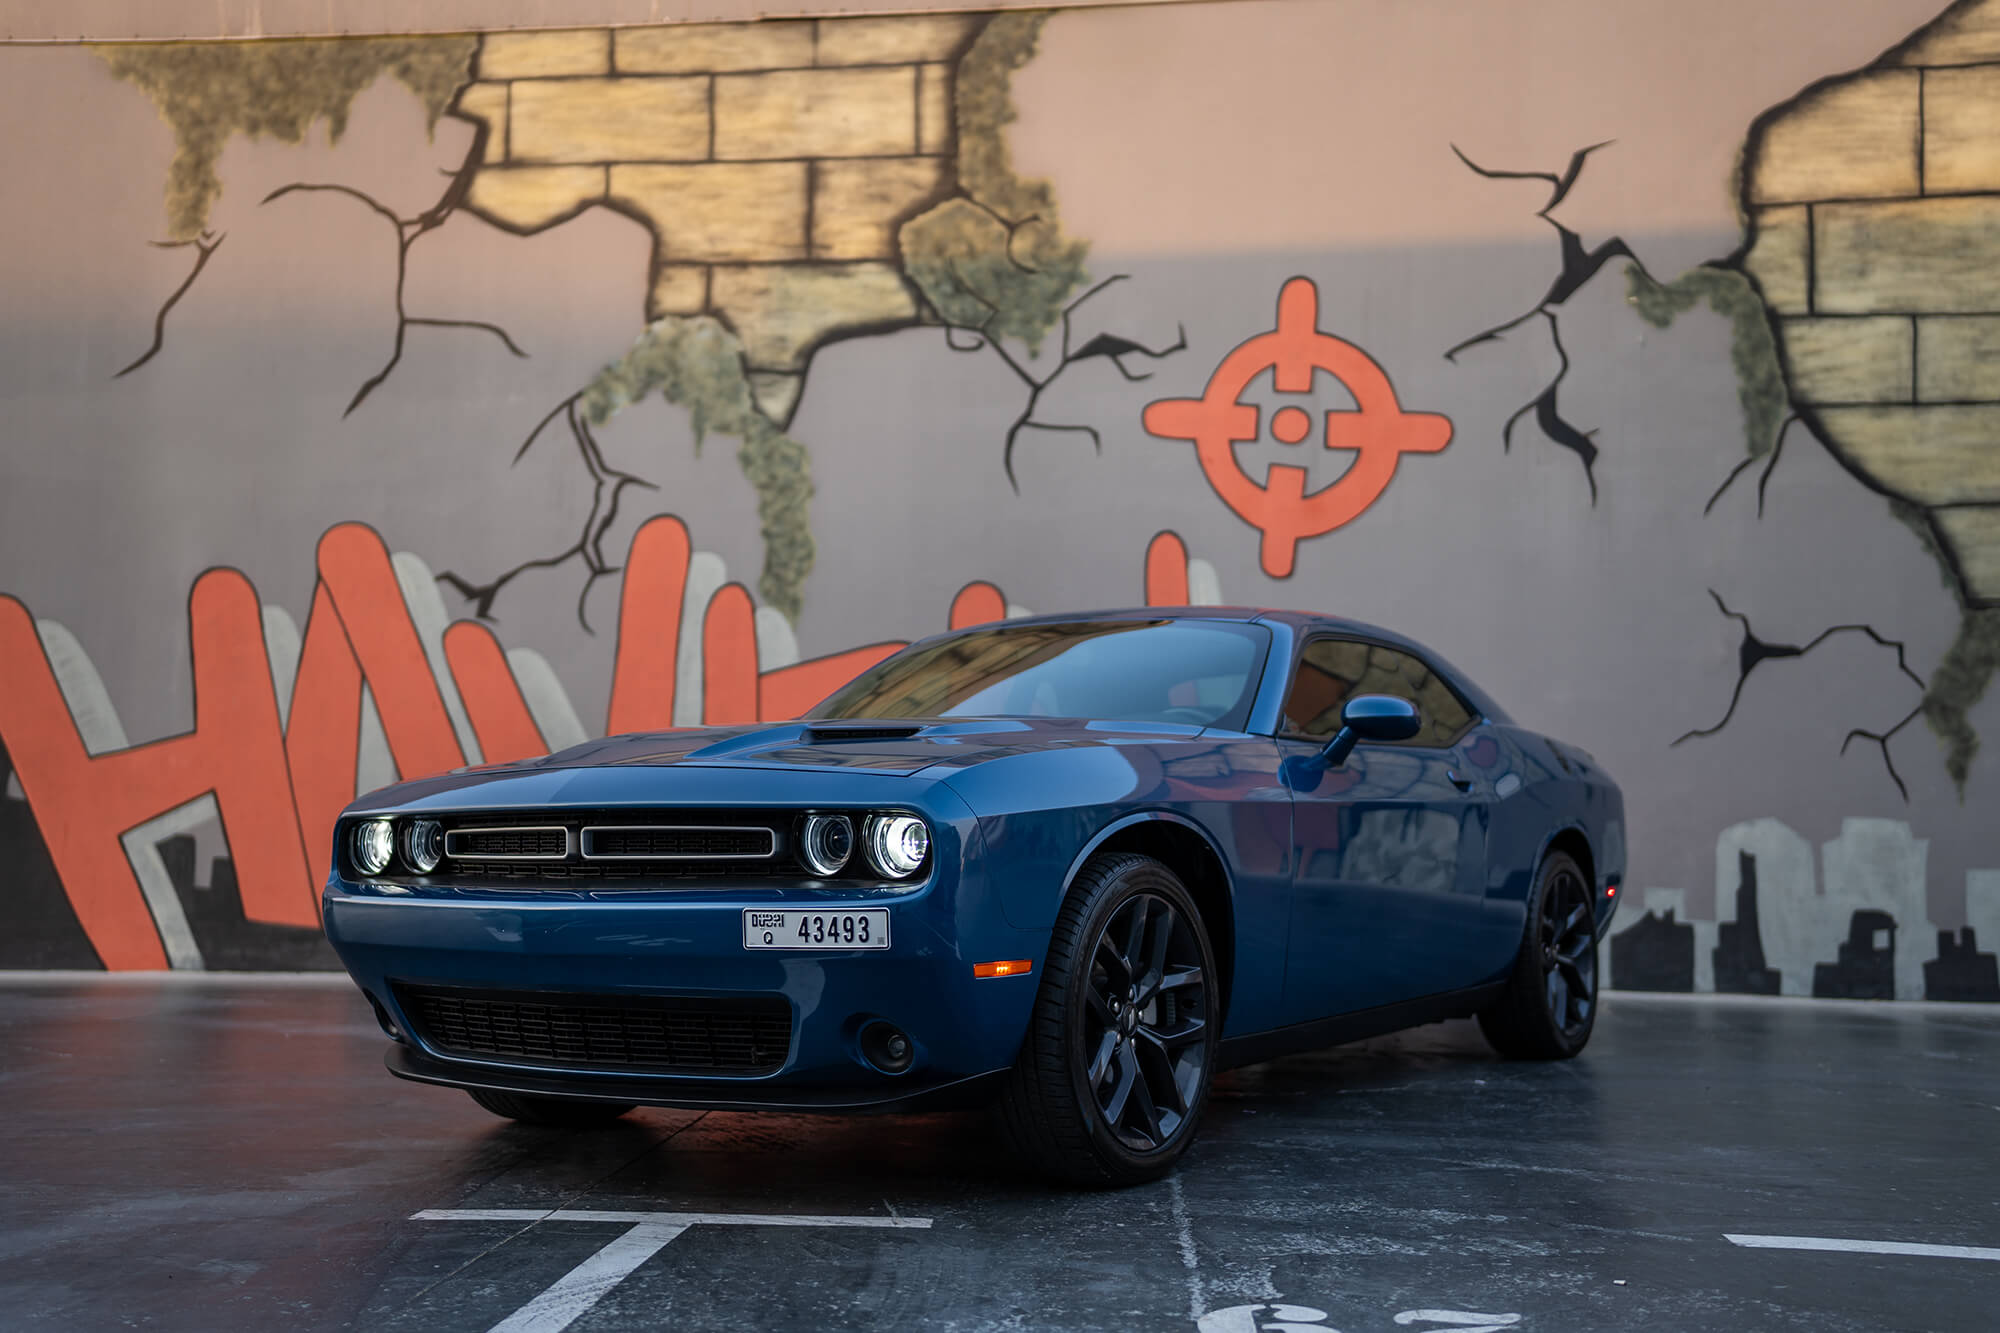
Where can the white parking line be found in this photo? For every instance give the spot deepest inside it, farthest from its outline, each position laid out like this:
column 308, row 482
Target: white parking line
column 1863, row 1246
column 585, row 1285
column 646, row 1234
column 663, row 1219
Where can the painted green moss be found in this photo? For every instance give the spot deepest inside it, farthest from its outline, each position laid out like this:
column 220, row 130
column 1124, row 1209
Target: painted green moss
column 1966, row 669
column 1958, row 684
column 994, row 258
column 207, row 91
column 1918, row 520
column 1760, row 379
column 696, row 363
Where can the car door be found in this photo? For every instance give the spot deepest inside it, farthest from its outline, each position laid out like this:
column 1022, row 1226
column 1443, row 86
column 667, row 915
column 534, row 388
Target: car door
column 1388, row 902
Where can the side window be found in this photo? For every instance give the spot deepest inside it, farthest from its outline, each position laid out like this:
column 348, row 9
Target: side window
column 1331, row 671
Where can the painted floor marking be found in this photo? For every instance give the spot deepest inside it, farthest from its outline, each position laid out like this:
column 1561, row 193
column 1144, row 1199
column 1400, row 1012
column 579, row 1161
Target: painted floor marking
column 646, row 1234
column 665, row 1219
column 1863, row 1246
column 586, row 1284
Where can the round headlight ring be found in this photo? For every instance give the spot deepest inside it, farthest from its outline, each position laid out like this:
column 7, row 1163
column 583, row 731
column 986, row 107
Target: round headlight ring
column 898, row 845
column 373, row 845
column 423, row 845
column 825, row 843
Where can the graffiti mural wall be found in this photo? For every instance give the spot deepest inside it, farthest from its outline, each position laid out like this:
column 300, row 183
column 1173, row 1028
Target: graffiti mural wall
column 378, row 405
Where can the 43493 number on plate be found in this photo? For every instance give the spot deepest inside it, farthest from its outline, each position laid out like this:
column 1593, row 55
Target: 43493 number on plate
column 791, row 928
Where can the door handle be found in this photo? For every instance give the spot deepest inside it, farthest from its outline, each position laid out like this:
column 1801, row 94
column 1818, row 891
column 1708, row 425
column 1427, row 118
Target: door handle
column 1463, row 784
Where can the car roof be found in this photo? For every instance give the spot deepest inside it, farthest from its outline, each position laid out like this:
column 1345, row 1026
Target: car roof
column 1300, row 622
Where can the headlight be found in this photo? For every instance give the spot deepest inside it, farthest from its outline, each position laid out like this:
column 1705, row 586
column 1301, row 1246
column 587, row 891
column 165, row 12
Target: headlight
column 825, row 843
column 374, row 843
column 423, row 845
column 898, row 844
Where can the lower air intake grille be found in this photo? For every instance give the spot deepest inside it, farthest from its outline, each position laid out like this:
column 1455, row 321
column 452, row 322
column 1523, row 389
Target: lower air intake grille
column 679, row 1035
column 519, row 844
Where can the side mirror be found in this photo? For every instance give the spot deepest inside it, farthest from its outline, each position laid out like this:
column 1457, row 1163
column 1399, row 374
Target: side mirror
column 1371, row 717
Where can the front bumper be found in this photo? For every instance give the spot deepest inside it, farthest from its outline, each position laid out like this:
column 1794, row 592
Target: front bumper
column 689, row 943
column 914, row 1092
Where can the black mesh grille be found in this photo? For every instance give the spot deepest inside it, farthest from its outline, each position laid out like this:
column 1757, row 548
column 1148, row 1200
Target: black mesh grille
column 750, row 1035
column 629, row 874
column 474, row 842
column 679, row 842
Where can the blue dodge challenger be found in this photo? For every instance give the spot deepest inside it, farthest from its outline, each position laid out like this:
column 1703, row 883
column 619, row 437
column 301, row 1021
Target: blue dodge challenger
column 1069, row 867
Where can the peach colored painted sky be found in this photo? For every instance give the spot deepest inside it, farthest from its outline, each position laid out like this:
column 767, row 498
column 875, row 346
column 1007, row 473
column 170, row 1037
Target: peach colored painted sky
column 1274, row 124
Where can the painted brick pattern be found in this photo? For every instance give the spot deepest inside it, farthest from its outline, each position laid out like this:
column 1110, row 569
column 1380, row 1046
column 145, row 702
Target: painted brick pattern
column 802, row 145
column 1877, row 246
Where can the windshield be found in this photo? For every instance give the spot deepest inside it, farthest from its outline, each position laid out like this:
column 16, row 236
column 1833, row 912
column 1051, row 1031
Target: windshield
column 1199, row 672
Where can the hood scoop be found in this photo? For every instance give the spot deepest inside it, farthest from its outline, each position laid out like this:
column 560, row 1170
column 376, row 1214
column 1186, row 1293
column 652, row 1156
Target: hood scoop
column 825, row 732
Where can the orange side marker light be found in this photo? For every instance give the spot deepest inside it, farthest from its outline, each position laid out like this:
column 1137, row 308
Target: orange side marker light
column 1013, row 967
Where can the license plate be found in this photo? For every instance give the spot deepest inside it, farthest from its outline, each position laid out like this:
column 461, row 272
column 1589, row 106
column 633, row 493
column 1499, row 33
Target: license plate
column 854, row 928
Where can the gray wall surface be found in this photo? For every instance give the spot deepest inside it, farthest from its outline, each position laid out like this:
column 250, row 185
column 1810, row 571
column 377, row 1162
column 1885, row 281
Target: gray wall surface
column 1203, row 155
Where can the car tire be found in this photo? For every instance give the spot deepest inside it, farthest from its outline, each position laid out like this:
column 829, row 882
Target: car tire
column 1549, row 1006
column 1116, row 1065
column 560, row 1112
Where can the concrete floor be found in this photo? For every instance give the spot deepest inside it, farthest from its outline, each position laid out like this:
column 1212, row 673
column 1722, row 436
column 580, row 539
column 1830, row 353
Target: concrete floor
column 216, row 1153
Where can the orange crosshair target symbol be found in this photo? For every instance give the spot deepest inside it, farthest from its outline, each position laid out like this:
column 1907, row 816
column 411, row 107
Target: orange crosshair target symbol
column 1377, row 429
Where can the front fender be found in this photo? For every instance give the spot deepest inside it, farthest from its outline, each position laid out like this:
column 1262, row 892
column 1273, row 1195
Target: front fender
column 1117, row 826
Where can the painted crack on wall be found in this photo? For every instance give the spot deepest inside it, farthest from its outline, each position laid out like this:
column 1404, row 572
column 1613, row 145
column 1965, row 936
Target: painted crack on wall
column 1857, row 307
column 992, row 262
column 207, row 91
column 408, row 232
column 993, row 259
column 607, row 488
column 769, row 238
column 1869, row 247
column 1578, row 267
column 698, row 364
column 1753, row 651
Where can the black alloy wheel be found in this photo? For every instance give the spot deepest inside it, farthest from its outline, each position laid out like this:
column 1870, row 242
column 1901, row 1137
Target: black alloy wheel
column 1143, row 1025
column 1121, row 1045
column 1567, row 934
column 1549, row 1005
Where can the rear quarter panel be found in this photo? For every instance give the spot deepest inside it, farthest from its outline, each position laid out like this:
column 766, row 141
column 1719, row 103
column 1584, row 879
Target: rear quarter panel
column 1559, row 788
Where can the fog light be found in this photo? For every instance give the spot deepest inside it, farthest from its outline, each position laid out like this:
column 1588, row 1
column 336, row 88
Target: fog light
column 374, row 842
column 887, row 1047
column 382, row 1019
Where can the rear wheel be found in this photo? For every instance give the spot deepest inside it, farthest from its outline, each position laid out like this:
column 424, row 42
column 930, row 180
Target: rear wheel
column 561, row 1112
column 1120, row 1051
column 1550, row 1004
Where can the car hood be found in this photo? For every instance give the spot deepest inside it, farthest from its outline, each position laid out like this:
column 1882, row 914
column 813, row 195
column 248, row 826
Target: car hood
column 932, row 747
column 904, row 746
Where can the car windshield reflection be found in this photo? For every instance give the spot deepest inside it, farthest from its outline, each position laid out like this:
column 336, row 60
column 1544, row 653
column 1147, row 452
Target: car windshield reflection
column 1197, row 672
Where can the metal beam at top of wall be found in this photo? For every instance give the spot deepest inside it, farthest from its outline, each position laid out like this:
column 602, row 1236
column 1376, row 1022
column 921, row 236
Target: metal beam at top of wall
column 25, row 22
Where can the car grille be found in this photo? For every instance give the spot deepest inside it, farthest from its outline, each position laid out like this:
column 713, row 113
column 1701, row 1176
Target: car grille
column 749, row 1035
column 511, row 843
column 619, row 851
column 676, row 842
column 582, row 875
